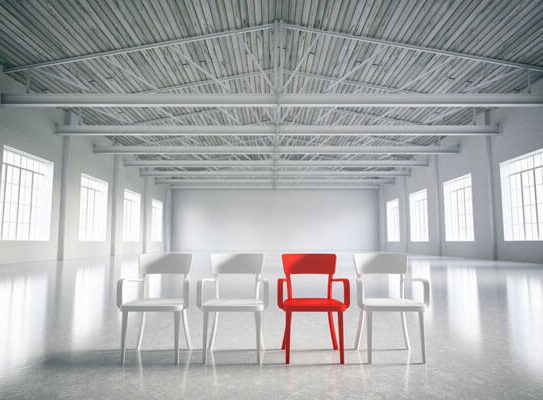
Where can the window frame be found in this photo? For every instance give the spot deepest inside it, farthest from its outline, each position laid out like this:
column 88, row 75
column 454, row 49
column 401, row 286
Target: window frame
column 418, row 212
column 102, row 201
column 129, row 224
column 460, row 198
column 393, row 206
column 526, row 166
column 40, row 193
column 154, row 219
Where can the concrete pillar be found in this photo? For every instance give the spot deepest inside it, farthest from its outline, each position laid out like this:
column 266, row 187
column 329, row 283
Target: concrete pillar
column 61, row 243
column 145, row 214
column 491, row 191
column 115, row 193
column 406, row 214
column 439, row 209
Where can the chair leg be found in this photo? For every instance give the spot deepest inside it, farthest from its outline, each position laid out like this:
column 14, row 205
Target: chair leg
column 332, row 330
column 186, row 329
column 258, row 318
column 340, row 333
column 287, row 334
column 422, row 342
column 405, row 334
column 214, row 331
column 261, row 336
column 124, row 324
column 287, row 317
column 369, row 334
column 359, row 330
column 176, row 323
column 204, row 340
column 142, row 328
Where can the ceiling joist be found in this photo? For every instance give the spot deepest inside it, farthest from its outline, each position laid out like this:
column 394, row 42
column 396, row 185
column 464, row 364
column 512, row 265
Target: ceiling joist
column 407, row 149
column 441, row 100
column 266, row 130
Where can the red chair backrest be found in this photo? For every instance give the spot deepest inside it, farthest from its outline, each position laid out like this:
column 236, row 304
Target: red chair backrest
column 309, row 264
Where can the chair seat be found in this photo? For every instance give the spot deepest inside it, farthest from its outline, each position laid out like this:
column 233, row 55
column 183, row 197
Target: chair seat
column 153, row 305
column 391, row 304
column 313, row 304
column 233, row 305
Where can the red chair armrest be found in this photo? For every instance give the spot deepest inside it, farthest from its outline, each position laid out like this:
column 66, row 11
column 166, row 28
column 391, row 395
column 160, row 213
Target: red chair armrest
column 280, row 283
column 346, row 291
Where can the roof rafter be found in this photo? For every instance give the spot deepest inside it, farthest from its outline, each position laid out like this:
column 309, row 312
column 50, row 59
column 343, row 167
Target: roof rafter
column 424, row 49
column 133, row 49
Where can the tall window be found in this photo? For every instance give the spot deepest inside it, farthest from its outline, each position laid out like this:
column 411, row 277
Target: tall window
column 131, row 217
column 418, row 216
column 156, row 220
column 92, row 209
column 25, row 196
column 522, row 197
column 393, row 220
column 458, row 209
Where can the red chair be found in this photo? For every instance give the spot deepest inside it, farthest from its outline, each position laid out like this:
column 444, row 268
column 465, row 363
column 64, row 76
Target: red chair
column 312, row 264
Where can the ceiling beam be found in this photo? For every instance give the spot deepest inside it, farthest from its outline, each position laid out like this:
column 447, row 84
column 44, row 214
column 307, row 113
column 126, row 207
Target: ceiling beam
column 279, row 186
column 269, row 173
column 266, row 130
column 133, row 49
column 408, row 149
column 423, row 49
column 91, row 100
column 375, row 181
column 278, row 163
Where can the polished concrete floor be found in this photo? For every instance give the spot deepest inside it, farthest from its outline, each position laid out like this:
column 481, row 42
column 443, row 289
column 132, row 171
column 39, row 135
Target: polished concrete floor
column 60, row 330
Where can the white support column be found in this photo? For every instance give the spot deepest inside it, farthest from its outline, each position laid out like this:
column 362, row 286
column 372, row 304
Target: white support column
column 145, row 215
column 381, row 209
column 61, row 244
column 439, row 209
column 115, row 193
column 492, row 193
column 406, row 214
column 167, row 225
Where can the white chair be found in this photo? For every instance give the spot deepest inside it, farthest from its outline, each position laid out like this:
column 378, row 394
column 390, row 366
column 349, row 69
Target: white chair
column 376, row 263
column 150, row 264
column 234, row 264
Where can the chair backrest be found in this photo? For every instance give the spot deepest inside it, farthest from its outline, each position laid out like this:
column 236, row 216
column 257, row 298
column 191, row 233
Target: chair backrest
column 170, row 263
column 380, row 263
column 309, row 264
column 237, row 263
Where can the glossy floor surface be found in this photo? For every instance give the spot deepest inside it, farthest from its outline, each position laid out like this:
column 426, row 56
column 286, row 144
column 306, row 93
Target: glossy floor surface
column 60, row 332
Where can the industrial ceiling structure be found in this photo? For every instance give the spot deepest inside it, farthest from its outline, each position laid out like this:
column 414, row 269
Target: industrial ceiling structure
column 273, row 94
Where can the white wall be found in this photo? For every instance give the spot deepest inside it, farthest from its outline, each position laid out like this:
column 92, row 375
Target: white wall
column 522, row 132
column 275, row 220
column 33, row 131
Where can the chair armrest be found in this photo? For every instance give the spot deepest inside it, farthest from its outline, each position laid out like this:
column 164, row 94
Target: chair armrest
column 346, row 291
column 280, row 283
column 186, row 291
column 200, row 290
column 426, row 286
column 120, row 285
column 360, row 292
column 266, row 291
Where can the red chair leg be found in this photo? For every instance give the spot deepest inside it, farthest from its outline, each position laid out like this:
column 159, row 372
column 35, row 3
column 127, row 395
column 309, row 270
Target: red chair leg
column 341, row 347
column 332, row 329
column 287, row 332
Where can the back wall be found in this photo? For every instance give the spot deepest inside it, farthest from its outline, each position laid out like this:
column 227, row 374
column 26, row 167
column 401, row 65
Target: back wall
column 275, row 220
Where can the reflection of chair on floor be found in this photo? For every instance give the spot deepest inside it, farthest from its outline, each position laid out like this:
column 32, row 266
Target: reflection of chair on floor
column 234, row 264
column 312, row 264
column 375, row 263
column 151, row 264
